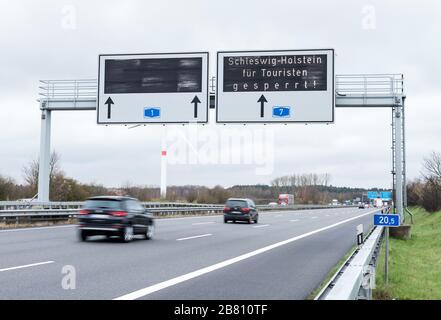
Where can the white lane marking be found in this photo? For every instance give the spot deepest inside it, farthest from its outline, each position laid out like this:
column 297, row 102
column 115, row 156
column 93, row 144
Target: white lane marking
column 261, row 226
column 314, row 217
column 278, row 215
column 194, row 237
column 294, row 220
column 171, row 282
column 212, row 216
column 327, row 215
column 199, row 223
column 36, row 228
column 26, row 266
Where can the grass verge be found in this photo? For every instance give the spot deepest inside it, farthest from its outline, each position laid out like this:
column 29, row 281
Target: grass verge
column 4, row 226
column 415, row 264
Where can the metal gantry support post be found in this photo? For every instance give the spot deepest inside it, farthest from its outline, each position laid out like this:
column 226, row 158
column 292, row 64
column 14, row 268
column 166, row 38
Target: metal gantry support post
column 163, row 190
column 45, row 154
column 399, row 187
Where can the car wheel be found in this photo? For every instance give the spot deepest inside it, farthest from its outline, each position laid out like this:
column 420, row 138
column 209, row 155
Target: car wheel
column 149, row 231
column 82, row 235
column 127, row 235
column 257, row 220
column 250, row 220
column 225, row 221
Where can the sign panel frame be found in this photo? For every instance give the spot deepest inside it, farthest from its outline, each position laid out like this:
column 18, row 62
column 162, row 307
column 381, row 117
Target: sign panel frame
column 203, row 96
column 262, row 100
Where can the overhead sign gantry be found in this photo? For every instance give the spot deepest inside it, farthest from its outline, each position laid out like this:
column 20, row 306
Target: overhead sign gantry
column 153, row 88
column 252, row 87
column 275, row 86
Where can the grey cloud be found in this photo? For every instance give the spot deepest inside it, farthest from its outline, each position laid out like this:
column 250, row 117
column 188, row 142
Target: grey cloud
column 354, row 150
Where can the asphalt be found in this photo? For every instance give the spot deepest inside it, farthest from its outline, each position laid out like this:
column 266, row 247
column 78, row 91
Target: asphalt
column 285, row 256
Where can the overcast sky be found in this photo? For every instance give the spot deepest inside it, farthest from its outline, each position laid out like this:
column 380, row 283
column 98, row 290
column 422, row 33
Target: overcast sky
column 62, row 39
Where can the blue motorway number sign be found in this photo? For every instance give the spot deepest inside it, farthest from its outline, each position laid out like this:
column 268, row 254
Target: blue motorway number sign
column 386, row 195
column 387, row 220
column 152, row 112
column 282, row 112
column 372, row 194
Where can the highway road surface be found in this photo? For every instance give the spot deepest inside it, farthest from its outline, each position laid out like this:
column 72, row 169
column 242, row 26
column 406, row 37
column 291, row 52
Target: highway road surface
column 285, row 256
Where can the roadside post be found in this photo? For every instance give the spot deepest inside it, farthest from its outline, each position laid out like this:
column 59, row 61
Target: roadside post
column 387, row 220
column 360, row 238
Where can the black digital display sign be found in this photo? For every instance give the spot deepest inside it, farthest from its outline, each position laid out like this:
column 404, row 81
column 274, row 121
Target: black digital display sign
column 304, row 72
column 158, row 75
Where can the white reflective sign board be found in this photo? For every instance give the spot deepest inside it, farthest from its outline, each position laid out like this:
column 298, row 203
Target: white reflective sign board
column 153, row 88
column 275, row 86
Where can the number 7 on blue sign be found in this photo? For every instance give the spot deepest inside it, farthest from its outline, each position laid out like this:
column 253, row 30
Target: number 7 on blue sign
column 281, row 111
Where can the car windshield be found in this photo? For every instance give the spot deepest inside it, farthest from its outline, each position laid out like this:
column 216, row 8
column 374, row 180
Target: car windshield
column 102, row 203
column 237, row 203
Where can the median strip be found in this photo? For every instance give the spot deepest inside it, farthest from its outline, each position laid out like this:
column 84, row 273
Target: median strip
column 37, row 228
column 194, row 237
column 168, row 283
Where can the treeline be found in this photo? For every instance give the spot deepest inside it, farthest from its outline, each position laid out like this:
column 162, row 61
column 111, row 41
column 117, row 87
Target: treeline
column 310, row 188
column 61, row 187
column 313, row 188
column 426, row 190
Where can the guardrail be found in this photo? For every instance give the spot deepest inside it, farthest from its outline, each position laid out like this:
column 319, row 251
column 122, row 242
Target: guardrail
column 355, row 279
column 18, row 205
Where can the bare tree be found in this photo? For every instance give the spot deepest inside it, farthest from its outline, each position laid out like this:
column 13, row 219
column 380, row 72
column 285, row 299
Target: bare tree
column 430, row 197
column 432, row 166
column 31, row 171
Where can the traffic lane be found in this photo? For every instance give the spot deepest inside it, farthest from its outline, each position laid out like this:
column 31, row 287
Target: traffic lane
column 291, row 271
column 146, row 262
column 188, row 227
column 231, row 245
column 19, row 247
column 27, row 246
column 176, row 225
column 37, row 282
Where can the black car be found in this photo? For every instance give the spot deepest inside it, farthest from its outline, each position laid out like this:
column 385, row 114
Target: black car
column 240, row 210
column 114, row 216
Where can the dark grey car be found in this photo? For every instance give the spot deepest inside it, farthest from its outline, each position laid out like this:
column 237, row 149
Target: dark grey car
column 123, row 217
column 240, row 210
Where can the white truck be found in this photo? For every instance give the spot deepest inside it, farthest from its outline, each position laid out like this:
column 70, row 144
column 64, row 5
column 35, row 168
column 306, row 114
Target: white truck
column 378, row 203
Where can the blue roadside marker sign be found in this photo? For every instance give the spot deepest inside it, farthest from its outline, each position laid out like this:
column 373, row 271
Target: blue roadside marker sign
column 152, row 112
column 281, row 111
column 387, row 220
